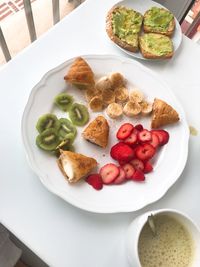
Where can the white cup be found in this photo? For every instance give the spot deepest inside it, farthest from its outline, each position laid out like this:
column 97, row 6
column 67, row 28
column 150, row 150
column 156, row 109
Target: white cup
column 135, row 228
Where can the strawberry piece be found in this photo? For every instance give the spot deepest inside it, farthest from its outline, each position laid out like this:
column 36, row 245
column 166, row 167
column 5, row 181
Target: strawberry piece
column 108, row 173
column 137, row 164
column 154, row 141
column 139, row 127
column 147, row 167
column 131, row 139
column 122, row 162
column 129, row 170
column 144, row 136
column 145, row 152
column 138, row 176
column 124, row 131
column 122, row 152
column 121, row 177
column 163, row 136
column 95, row 181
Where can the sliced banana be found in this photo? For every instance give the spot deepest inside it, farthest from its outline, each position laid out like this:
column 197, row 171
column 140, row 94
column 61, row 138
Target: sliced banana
column 117, row 80
column 146, row 107
column 136, row 96
column 108, row 96
column 96, row 104
column 121, row 94
column 103, row 83
column 132, row 109
column 114, row 110
column 90, row 93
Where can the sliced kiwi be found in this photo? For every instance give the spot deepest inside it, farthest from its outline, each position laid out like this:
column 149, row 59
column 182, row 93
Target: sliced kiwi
column 66, row 129
column 47, row 121
column 78, row 114
column 48, row 140
column 63, row 101
column 64, row 145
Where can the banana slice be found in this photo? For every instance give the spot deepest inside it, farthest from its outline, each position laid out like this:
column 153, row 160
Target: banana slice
column 146, row 107
column 96, row 103
column 132, row 109
column 90, row 93
column 117, row 80
column 103, row 83
column 108, row 96
column 121, row 94
column 136, row 96
column 114, row 110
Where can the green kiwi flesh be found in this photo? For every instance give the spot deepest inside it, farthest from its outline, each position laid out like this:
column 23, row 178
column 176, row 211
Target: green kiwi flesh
column 48, row 140
column 66, row 129
column 47, row 121
column 78, row 114
column 63, row 101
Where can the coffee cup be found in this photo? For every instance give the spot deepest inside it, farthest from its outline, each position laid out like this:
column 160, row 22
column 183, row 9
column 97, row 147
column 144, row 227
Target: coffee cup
column 163, row 237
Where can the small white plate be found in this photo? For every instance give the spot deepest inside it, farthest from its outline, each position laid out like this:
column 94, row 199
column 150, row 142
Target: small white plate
column 131, row 196
column 142, row 6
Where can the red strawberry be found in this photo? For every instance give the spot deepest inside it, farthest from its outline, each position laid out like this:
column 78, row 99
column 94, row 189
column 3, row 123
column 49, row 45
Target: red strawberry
column 122, row 162
column 145, row 152
column 95, row 181
column 108, row 173
column 154, row 141
column 147, row 167
column 137, row 164
column 121, row 177
column 139, row 127
column 129, row 170
column 122, row 152
column 138, row 176
column 124, row 131
column 131, row 139
column 144, row 136
column 163, row 136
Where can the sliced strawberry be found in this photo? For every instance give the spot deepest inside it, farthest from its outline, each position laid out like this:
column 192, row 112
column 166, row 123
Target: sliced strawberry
column 122, row 162
column 144, row 136
column 131, row 139
column 124, row 131
column 129, row 170
column 121, row 177
column 145, row 152
column 147, row 167
column 122, row 152
column 108, row 173
column 139, row 127
column 138, row 176
column 154, row 141
column 163, row 136
column 95, row 181
column 137, row 164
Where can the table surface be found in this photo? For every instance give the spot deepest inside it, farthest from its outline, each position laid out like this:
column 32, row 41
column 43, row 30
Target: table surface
column 59, row 233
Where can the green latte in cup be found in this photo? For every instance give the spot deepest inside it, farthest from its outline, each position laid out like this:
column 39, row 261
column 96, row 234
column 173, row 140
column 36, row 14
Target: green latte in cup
column 172, row 246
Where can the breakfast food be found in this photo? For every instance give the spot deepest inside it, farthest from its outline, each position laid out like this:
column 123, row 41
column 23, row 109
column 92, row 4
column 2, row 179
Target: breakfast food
column 75, row 166
column 90, row 93
column 136, row 96
column 123, row 26
column 48, row 140
column 63, row 101
column 117, row 80
column 103, row 83
column 132, row 109
column 154, row 45
column 108, row 96
column 47, row 121
column 159, row 20
column 146, row 107
column 163, row 114
column 97, row 132
column 121, row 94
column 114, row 110
column 78, row 114
column 96, row 103
column 80, row 74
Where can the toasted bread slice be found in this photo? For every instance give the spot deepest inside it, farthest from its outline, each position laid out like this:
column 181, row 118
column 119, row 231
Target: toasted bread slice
column 80, row 74
column 154, row 46
column 75, row 166
column 97, row 132
column 159, row 20
column 163, row 114
column 123, row 26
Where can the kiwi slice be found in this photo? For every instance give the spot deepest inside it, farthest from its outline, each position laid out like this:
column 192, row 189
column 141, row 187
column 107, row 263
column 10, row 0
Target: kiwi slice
column 64, row 145
column 78, row 114
column 67, row 129
column 47, row 121
column 63, row 101
column 48, row 140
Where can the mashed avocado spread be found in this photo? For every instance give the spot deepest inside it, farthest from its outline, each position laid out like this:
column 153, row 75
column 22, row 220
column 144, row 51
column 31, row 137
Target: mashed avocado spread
column 126, row 24
column 158, row 18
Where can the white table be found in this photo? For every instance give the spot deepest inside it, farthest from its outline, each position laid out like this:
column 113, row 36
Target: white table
column 59, row 233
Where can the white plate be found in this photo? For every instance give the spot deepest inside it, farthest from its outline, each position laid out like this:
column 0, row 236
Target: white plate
column 131, row 196
column 142, row 6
